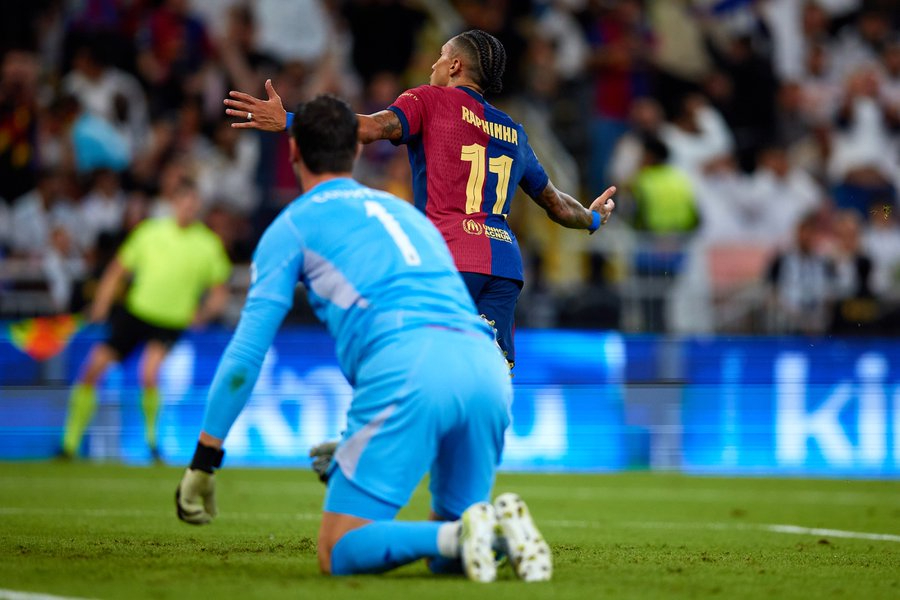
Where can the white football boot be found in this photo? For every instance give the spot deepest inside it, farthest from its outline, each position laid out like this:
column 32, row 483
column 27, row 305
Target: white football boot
column 476, row 541
column 528, row 553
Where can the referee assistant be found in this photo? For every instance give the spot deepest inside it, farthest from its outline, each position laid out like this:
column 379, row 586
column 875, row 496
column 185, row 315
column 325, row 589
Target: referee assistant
column 173, row 262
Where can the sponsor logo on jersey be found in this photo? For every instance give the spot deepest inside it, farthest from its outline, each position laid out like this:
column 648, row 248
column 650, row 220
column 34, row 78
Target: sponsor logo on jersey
column 472, row 227
column 497, row 234
column 496, row 130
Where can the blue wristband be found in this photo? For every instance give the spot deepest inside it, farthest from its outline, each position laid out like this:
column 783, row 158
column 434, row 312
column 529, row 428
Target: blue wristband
column 595, row 223
column 289, row 122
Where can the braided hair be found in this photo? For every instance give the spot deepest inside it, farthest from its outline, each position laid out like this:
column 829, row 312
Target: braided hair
column 488, row 54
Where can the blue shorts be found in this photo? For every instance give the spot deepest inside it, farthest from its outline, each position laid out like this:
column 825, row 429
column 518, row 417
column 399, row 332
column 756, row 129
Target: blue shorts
column 429, row 400
column 495, row 298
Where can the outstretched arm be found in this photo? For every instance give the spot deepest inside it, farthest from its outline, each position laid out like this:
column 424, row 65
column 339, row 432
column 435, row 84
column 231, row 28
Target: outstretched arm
column 383, row 125
column 569, row 212
column 269, row 115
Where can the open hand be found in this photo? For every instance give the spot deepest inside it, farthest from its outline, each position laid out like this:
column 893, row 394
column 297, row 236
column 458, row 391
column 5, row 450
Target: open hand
column 266, row 115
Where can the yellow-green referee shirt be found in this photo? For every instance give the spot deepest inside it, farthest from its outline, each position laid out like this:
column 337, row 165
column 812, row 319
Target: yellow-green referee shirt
column 172, row 267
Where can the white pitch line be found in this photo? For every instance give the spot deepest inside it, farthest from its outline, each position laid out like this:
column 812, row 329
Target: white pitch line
column 858, row 535
column 15, row 595
column 788, row 529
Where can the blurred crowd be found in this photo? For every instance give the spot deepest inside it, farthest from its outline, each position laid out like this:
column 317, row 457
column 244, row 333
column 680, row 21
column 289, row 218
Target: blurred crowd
column 755, row 143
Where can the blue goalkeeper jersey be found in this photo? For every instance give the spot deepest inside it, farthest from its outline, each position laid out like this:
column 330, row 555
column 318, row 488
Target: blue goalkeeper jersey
column 371, row 264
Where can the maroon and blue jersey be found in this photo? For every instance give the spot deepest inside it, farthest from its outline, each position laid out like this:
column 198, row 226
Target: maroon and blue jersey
column 467, row 159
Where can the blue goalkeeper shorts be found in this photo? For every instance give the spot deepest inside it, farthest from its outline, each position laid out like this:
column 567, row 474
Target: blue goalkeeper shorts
column 432, row 400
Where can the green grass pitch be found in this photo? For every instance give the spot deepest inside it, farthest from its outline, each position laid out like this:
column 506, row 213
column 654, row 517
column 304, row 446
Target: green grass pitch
column 109, row 531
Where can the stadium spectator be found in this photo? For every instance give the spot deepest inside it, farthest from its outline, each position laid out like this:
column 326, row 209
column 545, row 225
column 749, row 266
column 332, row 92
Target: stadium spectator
column 368, row 20
column 646, row 119
column 109, row 93
column 663, row 194
column 805, row 144
column 245, row 64
column 170, row 178
column 679, row 57
column 696, row 135
column 856, row 310
column 36, row 213
column 881, row 241
column 796, row 27
column 227, row 176
column 858, row 166
column 102, row 208
column 294, row 32
column 189, row 138
column 747, row 97
column 93, row 142
column 860, row 44
column 18, row 122
column 173, row 263
column 621, row 48
column 63, row 267
column 430, row 389
column 569, row 97
column 796, row 191
column 725, row 199
column 172, row 49
column 802, row 282
column 454, row 139
column 820, row 88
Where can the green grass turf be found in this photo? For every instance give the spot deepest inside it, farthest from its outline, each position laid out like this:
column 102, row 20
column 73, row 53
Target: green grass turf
column 109, row 531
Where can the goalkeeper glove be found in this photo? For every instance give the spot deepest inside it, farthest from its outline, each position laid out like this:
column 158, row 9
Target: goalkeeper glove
column 322, row 455
column 195, row 497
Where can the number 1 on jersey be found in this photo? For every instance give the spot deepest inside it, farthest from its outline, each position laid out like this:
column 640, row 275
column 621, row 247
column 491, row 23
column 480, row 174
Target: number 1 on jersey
column 410, row 254
column 500, row 165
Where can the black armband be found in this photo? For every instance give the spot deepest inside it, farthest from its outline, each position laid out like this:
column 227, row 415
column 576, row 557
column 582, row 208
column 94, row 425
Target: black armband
column 207, row 458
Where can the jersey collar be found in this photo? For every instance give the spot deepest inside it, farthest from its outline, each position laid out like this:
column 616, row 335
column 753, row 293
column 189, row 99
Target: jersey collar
column 472, row 93
column 327, row 185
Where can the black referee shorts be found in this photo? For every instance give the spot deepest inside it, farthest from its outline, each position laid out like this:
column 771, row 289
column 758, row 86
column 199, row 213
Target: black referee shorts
column 127, row 332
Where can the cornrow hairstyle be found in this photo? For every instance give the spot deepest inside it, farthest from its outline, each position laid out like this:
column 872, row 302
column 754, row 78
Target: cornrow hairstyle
column 491, row 57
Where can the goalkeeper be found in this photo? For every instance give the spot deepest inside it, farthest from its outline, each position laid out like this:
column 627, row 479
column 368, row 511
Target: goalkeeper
column 431, row 391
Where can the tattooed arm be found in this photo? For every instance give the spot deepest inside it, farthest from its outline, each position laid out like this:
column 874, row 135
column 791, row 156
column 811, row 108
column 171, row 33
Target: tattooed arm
column 569, row 212
column 383, row 125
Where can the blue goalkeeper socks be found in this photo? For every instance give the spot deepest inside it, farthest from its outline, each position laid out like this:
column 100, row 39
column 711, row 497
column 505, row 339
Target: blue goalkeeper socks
column 384, row 545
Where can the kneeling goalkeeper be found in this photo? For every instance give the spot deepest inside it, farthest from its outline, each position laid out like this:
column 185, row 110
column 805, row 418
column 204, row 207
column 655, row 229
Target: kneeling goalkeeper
column 431, row 391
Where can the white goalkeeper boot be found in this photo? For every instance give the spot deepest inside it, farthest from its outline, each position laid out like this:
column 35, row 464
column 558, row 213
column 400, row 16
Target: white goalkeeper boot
column 528, row 553
column 476, row 542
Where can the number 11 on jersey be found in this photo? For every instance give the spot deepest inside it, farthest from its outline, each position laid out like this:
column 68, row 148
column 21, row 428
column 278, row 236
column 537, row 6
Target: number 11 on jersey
column 499, row 165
